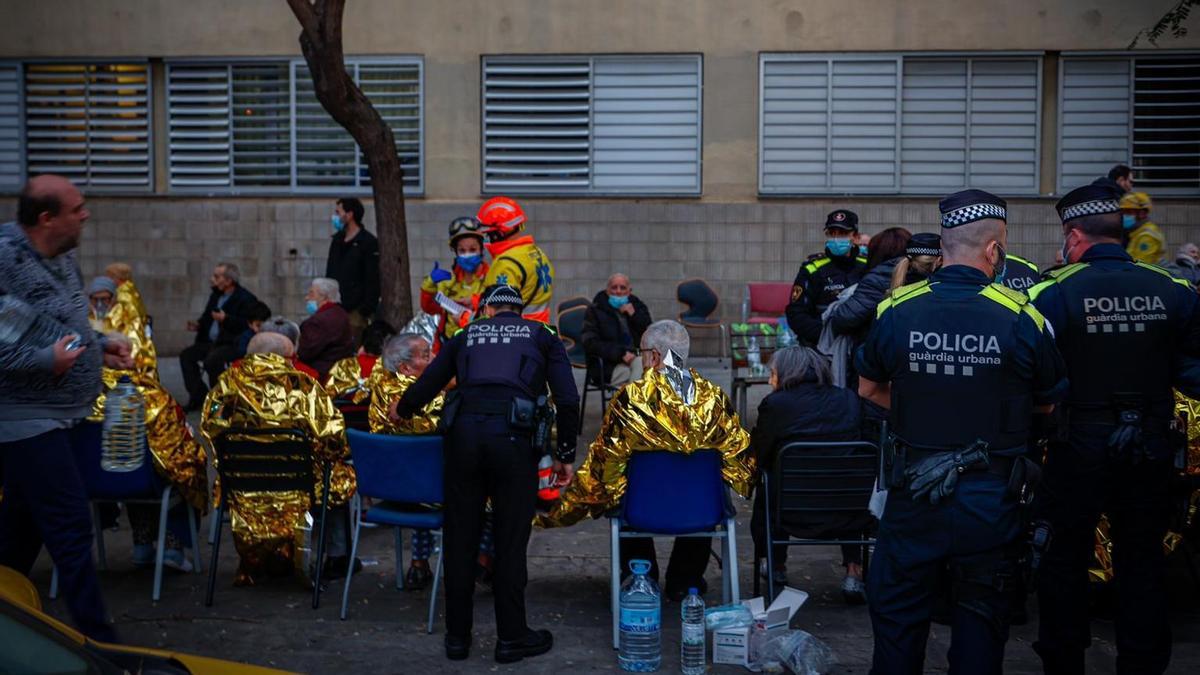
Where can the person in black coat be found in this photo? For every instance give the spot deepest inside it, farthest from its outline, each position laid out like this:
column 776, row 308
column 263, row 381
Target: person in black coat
column 612, row 331
column 217, row 332
column 806, row 406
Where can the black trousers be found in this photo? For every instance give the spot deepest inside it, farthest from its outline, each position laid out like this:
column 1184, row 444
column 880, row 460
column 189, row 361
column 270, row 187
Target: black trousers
column 485, row 458
column 45, row 504
column 1081, row 483
column 213, row 357
column 689, row 560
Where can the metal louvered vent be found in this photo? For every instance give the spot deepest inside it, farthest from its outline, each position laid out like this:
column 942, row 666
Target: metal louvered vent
column 1166, row 123
column 10, row 126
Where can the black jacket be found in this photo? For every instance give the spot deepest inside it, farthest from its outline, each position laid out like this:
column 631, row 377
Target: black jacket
column 603, row 332
column 854, row 316
column 235, row 323
column 816, row 286
column 355, row 266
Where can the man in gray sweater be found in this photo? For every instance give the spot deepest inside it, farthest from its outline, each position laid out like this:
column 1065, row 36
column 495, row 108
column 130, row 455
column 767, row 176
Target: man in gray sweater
column 45, row 391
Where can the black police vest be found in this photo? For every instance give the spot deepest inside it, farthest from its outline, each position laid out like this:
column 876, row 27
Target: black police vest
column 1020, row 275
column 503, row 352
column 828, row 278
column 1118, row 341
column 958, row 382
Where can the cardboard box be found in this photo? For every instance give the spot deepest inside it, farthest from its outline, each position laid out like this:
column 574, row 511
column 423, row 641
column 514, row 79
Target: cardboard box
column 732, row 645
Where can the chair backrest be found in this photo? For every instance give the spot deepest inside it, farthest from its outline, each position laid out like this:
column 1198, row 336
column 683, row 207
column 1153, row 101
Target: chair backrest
column 356, row 415
column 823, row 478
column 398, row 468
column 570, row 328
column 675, row 493
column 264, row 460
column 571, row 303
column 142, row 482
column 768, row 298
column 700, row 298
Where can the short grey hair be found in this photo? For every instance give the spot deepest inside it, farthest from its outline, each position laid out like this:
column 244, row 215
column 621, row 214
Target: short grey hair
column 271, row 343
column 328, row 288
column 399, row 349
column 793, row 364
column 667, row 335
column 282, row 326
column 230, row 272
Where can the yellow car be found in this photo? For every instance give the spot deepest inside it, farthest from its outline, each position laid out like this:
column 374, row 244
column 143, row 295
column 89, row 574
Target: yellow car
column 37, row 643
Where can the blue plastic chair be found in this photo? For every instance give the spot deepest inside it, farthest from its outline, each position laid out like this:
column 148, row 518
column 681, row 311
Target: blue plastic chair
column 399, row 473
column 141, row 486
column 672, row 494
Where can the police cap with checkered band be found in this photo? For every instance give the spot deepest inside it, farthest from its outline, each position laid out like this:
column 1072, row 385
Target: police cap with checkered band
column 1089, row 200
column 968, row 206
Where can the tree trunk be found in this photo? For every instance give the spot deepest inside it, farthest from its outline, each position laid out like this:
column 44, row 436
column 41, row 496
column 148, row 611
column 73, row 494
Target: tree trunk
column 321, row 44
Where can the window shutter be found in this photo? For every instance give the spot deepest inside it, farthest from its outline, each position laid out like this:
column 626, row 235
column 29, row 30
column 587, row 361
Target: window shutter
column 646, row 126
column 89, row 122
column 1094, row 119
column 261, row 125
column 199, row 149
column 1004, row 125
column 395, row 91
column 10, row 126
column 326, row 155
column 1166, row 123
column 537, row 119
column 933, row 129
column 863, row 125
column 794, row 130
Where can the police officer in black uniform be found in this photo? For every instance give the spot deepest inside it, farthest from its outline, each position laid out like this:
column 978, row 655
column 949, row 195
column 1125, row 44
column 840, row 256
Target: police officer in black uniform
column 820, row 279
column 963, row 363
column 503, row 364
column 1122, row 326
column 1020, row 274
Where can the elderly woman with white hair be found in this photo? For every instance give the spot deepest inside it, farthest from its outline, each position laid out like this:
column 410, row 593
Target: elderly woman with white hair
column 806, row 406
column 325, row 336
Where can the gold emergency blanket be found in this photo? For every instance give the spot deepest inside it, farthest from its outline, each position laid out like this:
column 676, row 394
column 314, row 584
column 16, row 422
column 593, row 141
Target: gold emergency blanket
column 264, row 391
column 648, row 415
column 128, row 317
column 386, row 388
column 1102, row 566
column 346, row 381
column 178, row 458
column 1187, row 411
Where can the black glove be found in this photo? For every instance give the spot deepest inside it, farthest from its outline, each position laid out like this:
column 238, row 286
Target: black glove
column 1125, row 442
column 936, row 477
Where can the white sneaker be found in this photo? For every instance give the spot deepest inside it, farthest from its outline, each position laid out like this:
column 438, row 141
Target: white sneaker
column 176, row 560
column 854, row 591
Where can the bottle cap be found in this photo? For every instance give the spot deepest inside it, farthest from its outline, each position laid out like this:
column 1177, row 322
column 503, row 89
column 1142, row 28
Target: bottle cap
column 125, row 380
column 693, row 591
column 639, row 566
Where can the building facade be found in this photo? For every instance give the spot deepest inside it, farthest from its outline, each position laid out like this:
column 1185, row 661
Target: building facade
column 668, row 139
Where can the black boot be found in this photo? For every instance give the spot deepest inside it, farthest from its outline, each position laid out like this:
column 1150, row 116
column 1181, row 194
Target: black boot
column 458, row 648
column 536, row 642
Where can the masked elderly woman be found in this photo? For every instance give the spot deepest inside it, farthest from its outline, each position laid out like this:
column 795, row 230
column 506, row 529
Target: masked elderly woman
column 671, row 408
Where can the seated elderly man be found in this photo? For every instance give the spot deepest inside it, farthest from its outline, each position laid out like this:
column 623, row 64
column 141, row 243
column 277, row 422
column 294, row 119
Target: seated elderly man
column 101, row 293
column 612, row 330
column 290, row 330
column 325, row 336
column 265, row 391
column 671, row 408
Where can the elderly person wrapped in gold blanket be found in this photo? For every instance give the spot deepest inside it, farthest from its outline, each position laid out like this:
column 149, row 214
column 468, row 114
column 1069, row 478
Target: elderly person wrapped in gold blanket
column 265, row 391
column 671, row 408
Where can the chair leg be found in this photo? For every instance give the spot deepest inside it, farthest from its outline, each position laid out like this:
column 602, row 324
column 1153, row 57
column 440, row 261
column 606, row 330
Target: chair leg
column 218, row 516
column 316, row 601
column 731, row 567
column 350, row 567
column 54, row 583
column 437, row 579
column 615, row 580
column 162, row 544
column 212, row 528
column 583, row 403
column 399, row 558
column 101, row 555
column 194, row 530
column 757, row 576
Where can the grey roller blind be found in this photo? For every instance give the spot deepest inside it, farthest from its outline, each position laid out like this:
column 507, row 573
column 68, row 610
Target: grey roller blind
column 592, row 125
column 199, row 149
column 10, row 126
column 862, row 133
column 933, row 130
column 794, row 131
column 89, row 122
column 1004, row 111
column 1094, row 119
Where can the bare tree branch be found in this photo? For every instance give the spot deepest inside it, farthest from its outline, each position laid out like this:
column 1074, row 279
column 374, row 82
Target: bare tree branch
column 1171, row 22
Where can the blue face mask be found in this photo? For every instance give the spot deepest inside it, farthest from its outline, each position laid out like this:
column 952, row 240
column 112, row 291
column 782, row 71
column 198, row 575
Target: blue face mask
column 838, row 247
column 618, row 301
column 468, row 262
column 1128, row 220
column 336, row 220
column 862, row 250
column 311, row 306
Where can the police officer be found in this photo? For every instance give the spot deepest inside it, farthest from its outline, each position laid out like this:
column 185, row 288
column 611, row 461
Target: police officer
column 820, row 279
column 503, row 364
column 1019, row 273
column 962, row 363
column 1121, row 325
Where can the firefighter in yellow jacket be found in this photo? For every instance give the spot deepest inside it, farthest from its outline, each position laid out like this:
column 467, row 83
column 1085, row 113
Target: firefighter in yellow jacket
column 1146, row 242
column 517, row 261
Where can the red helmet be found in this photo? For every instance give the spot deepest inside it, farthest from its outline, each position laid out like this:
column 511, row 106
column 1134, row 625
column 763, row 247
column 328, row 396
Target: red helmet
column 501, row 217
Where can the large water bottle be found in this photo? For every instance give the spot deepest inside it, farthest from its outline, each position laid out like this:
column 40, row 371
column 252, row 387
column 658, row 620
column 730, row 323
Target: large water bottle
column 21, row 324
column 754, row 357
column 691, row 643
column 786, row 337
column 640, row 648
column 124, row 438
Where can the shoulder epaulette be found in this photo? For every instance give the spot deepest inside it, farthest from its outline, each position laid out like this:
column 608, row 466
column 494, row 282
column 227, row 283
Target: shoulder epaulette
column 1023, row 261
column 1061, row 273
column 860, row 259
column 1016, row 301
column 816, row 264
column 1163, row 271
column 902, row 294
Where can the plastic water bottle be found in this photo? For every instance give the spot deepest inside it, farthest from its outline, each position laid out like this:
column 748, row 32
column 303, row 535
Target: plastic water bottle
column 640, row 642
column 786, row 337
column 691, row 644
column 754, row 357
column 20, row 323
column 124, row 438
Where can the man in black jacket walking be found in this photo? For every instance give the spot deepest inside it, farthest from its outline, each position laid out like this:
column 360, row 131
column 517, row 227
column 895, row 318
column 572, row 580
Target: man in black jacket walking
column 354, row 263
column 217, row 332
column 612, row 331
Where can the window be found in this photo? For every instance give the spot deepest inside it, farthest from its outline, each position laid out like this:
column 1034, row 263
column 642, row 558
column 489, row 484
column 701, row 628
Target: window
column 10, row 126
column 592, row 124
column 257, row 126
column 89, row 122
column 1143, row 111
column 886, row 124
